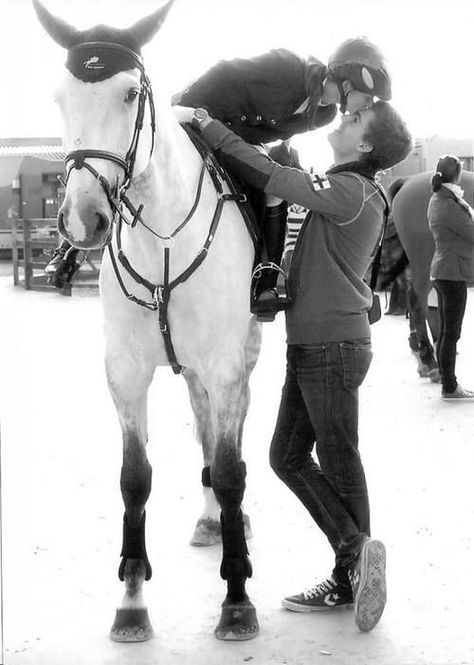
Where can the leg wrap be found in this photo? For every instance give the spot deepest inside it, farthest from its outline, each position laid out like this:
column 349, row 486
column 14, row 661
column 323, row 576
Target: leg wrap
column 206, row 477
column 229, row 490
column 133, row 546
column 235, row 559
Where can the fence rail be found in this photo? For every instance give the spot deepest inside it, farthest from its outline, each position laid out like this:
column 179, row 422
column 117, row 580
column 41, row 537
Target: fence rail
column 33, row 242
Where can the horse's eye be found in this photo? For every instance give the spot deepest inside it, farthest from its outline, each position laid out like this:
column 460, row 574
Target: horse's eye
column 132, row 94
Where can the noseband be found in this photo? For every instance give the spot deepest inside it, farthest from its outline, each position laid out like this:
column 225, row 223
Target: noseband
column 117, row 194
column 117, row 197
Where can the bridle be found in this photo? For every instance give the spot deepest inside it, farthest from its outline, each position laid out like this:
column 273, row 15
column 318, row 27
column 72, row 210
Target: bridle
column 76, row 159
column 117, row 198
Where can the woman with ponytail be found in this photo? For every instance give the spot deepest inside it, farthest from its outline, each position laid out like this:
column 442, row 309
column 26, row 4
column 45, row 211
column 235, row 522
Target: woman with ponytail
column 451, row 221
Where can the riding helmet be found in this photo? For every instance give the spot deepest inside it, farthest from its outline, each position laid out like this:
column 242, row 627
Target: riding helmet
column 363, row 64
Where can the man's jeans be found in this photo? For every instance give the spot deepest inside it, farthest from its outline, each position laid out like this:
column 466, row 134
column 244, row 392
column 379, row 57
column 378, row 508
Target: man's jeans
column 452, row 296
column 320, row 404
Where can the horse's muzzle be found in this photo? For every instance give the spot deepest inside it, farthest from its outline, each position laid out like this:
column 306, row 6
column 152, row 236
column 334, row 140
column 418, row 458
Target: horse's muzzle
column 86, row 228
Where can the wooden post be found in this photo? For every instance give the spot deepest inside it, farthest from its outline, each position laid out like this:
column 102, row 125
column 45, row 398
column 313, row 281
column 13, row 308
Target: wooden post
column 15, row 221
column 27, row 253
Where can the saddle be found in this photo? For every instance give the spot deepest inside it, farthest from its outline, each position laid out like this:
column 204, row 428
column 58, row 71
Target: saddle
column 249, row 200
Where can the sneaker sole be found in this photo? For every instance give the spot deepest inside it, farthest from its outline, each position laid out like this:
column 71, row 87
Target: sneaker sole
column 296, row 607
column 457, row 399
column 371, row 595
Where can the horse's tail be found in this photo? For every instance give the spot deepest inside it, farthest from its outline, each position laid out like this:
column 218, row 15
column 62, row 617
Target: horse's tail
column 395, row 187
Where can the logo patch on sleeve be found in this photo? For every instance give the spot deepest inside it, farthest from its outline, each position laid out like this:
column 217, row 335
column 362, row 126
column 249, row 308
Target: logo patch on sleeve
column 320, row 181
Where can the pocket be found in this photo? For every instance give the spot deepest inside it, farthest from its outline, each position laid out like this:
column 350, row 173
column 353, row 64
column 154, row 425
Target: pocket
column 356, row 358
column 312, row 358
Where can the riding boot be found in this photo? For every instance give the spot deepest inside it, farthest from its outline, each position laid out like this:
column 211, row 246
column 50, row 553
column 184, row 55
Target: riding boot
column 269, row 293
column 58, row 255
column 63, row 265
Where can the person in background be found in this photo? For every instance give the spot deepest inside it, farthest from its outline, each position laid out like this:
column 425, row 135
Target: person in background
column 328, row 339
column 271, row 98
column 451, row 221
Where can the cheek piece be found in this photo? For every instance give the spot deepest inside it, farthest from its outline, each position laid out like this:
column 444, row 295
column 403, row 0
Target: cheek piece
column 93, row 62
column 342, row 94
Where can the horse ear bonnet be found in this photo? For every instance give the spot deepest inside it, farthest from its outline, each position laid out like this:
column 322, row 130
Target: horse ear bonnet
column 100, row 54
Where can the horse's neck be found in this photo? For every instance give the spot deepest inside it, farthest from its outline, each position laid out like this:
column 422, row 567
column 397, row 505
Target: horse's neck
column 168, row 186
column 167, row 190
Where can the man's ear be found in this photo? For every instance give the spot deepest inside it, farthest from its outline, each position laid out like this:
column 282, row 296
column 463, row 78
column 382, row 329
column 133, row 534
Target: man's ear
column 365, row 147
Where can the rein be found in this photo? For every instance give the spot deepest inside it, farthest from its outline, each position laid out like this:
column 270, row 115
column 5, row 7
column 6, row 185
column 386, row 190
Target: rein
column 161, row 293
column 117, row 198
column 117, row 194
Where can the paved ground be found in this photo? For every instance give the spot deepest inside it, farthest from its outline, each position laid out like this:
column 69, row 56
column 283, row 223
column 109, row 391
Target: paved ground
column 62, row 508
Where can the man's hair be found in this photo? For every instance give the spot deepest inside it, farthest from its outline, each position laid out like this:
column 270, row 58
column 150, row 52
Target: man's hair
column 389, row 136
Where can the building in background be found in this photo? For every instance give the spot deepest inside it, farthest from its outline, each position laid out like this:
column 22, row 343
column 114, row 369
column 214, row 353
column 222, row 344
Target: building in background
column 426, row 153
column 29, row 186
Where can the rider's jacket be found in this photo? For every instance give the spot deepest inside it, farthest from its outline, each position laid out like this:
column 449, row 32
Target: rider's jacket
column 258, row 98
column 335, row 245
column 452, row 225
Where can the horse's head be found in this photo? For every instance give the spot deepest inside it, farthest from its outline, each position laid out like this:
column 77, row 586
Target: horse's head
column 103, row 102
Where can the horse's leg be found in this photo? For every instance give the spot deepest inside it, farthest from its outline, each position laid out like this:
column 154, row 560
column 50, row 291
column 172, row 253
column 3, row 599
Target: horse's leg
column 129, row 379
column 417, row 295
column 226, row 386
column 208, row 527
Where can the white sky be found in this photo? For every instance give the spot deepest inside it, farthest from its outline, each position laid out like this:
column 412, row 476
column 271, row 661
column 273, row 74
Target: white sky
column 429, row 45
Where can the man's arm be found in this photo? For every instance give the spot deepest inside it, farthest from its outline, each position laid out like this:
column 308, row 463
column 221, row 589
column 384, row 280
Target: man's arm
column 336, row 198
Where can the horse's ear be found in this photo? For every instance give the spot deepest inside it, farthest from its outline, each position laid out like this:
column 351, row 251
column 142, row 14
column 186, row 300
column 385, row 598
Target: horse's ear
column 62, row 33
column 147, row 27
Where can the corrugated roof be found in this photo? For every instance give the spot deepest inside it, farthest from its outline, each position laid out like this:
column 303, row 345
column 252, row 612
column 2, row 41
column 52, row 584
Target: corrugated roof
column 45, row 148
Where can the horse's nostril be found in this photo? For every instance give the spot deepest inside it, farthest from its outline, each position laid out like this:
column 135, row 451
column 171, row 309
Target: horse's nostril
column 103, row 223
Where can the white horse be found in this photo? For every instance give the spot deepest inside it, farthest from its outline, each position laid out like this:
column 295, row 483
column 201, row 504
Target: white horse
column 117, row 162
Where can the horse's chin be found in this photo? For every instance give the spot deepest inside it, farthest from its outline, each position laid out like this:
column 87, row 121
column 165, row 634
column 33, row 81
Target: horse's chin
column 97, row 242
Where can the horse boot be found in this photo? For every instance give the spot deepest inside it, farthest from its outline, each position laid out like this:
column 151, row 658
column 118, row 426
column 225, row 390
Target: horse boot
column 269, row 290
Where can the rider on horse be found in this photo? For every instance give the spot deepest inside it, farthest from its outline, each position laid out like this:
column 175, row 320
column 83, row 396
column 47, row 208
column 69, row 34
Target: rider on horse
column 268, row 98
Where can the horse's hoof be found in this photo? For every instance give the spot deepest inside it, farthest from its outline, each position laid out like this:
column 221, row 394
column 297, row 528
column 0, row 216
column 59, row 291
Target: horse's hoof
column 238, row 622
column 208, row 532
column 435, row 376
column 131, row 625
column 423, row 371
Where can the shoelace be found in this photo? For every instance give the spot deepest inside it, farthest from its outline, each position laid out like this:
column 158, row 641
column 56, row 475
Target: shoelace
column 320, row 588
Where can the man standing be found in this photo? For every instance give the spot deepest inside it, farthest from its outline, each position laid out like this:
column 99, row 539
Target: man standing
column 328, row 339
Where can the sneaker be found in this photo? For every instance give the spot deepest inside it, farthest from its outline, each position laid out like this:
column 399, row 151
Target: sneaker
column 327, row 595
column 369, row 589
column 459, row 393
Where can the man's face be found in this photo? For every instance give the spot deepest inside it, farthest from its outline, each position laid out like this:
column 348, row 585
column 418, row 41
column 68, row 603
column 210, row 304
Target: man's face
column 356, row 101
column 348, row 137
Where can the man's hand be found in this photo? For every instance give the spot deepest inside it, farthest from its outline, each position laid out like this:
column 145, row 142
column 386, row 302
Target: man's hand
column 199, row 118
column 183, row 114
